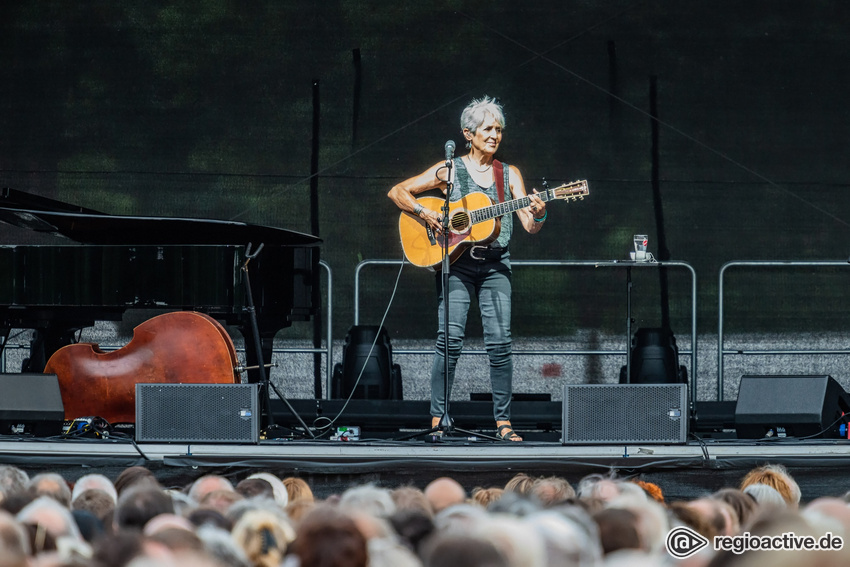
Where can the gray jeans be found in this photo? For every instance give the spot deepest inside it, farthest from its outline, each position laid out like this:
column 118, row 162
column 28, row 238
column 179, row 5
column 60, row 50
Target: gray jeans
column 489, row 281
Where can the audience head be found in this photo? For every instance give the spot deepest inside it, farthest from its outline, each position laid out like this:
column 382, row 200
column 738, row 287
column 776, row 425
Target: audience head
column 744, row 505
column 278, row 489
column 96, row 502
column 552, row 490
column 410, row 498
column 201, row 517
column 94, row 482
column 520, row 483
column 598, row 487
column 515, row 504
column 830, row 514
column 12, row 481
column 48, row 514
column 220, row 544
column 718, row 518
column 133, row 476
column 91, row 527
column 14, row 542
column 263, row 536
column 693, row 517
column 570, row 539
column 368, row 499
column 777, row 477
column 413, row 527
column 618, row 529
column 517, row 540
column 298, row 509
column 137, row 506
column 484, row 497
column 255, row 488
column 328, row 536
column 443, row 493
column 765, row 496
column 220, row 500
column 462, row 550
column 460, row 518
column 207, row 484
column 386, row 552
column 52, row 485
column 297, row 489
column 652, row 490
column 178, row 540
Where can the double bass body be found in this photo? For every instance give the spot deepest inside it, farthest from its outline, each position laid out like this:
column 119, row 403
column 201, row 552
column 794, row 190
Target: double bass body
column 178, row 347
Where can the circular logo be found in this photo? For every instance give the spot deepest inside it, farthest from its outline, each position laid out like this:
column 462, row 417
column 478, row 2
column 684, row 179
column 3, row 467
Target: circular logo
column 682, row 542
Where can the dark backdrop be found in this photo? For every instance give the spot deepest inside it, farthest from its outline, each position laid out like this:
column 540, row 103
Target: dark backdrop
column 206, row 109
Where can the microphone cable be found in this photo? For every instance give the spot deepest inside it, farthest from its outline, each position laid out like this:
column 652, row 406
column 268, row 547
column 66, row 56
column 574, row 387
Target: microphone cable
column 330, row 422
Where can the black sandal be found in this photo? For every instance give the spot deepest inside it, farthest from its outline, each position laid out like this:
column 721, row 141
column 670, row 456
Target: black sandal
column 509, row 435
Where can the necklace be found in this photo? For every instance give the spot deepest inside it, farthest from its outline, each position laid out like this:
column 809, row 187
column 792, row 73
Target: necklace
column 485, row 170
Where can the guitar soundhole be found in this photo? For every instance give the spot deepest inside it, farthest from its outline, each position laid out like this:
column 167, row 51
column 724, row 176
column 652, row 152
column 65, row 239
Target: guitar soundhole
column 460, row 221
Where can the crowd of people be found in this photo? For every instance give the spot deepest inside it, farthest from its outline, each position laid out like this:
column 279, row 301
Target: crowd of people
column 267, row 521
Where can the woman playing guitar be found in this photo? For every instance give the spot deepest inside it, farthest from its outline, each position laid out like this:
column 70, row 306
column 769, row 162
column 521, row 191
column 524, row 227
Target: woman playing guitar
column 481, row 270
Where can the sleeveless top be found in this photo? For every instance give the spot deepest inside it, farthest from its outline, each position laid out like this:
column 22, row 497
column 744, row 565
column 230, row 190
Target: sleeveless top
column 464, row 185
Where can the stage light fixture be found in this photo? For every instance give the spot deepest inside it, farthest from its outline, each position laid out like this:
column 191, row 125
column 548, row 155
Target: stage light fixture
column 380, row 378
column 654, row 359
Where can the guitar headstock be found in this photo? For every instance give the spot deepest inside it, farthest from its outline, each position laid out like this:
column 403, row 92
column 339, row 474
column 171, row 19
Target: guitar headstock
column 573, row 191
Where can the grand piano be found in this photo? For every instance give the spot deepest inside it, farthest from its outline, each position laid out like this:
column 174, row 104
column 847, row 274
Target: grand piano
column 108, row 264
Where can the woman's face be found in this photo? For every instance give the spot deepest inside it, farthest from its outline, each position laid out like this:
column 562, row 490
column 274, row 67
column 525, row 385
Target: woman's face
column 487, row 137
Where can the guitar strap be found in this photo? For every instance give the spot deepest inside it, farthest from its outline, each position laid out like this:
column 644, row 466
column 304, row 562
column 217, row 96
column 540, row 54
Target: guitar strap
column 499, row 174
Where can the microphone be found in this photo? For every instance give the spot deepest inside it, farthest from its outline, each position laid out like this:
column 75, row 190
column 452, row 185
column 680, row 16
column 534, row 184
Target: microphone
column 450, row 150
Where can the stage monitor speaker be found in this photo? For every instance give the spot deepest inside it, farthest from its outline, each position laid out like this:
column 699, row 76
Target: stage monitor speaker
column 600, row 414
column 380, row 379
column 31, row 403
column 789, row 406
column 197, row 413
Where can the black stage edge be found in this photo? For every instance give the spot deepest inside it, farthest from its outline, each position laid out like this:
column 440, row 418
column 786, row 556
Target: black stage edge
column 683, row 471
column 710, row 460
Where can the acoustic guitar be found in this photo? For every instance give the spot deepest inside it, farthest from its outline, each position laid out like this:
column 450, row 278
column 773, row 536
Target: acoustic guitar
column 473, row 219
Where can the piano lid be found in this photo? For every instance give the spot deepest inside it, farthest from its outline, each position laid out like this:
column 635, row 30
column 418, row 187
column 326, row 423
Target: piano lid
column 88, row 226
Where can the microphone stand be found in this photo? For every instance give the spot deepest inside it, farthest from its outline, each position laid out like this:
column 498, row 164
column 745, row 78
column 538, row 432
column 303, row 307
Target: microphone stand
column 446, row 425
column 265, row 382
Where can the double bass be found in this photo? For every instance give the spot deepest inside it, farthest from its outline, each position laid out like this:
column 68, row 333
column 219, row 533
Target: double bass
column 179, row 347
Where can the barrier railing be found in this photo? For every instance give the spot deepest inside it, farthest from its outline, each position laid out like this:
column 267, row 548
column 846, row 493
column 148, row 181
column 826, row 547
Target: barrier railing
column 565, row 263
column 722, row 352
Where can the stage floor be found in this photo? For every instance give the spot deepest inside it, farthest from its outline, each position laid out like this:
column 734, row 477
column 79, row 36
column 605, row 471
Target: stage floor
column 683, row 471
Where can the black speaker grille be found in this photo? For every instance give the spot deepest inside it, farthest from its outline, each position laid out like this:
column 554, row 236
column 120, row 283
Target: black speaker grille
column 627, row 413
column 197, row 413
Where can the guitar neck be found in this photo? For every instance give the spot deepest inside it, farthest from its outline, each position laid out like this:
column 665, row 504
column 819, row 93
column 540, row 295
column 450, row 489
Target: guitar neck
column 499, row 209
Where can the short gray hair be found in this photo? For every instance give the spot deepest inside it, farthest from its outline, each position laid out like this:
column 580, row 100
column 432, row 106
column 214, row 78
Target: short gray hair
column 476, row 111
column 12, row 480
column 94, row 481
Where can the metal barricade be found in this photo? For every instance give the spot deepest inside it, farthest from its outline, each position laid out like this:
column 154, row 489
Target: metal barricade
column 722, row 353
column 564, row 263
